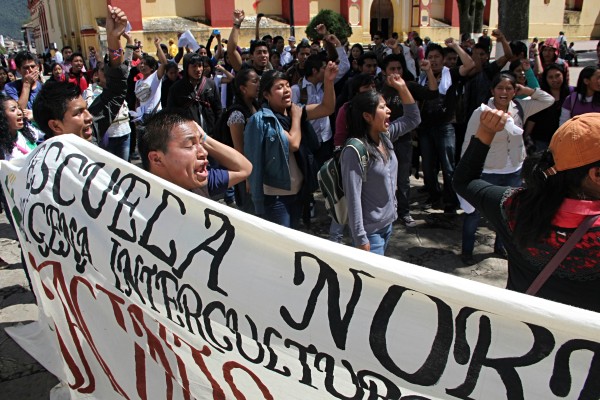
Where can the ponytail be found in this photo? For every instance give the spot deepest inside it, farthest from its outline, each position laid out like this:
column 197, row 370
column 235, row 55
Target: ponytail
column 538, row 204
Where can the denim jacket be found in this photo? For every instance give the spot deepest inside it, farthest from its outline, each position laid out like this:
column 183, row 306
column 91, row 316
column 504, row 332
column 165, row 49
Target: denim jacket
column 267, row 147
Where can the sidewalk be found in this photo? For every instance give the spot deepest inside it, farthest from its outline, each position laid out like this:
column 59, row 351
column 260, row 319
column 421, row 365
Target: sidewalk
column 21, row 377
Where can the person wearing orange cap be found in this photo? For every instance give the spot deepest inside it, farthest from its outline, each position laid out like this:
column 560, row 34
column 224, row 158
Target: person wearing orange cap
column 562, row 188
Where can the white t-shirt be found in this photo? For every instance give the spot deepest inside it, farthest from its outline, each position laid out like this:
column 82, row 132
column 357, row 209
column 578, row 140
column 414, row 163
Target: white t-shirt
column 148, row 92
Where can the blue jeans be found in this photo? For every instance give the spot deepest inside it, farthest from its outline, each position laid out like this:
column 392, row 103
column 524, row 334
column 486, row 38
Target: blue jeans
column 379, row 239
column 336, row 232
column 283, row 210
column 403, row 149
column 438, row 147
column 471, row 221
column 119, row 146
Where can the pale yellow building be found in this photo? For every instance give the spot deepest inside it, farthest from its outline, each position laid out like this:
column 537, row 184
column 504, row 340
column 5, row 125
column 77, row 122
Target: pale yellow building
column 79, row 22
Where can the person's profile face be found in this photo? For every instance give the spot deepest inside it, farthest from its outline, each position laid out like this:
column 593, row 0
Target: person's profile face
column 185, row 161
column 76, row 120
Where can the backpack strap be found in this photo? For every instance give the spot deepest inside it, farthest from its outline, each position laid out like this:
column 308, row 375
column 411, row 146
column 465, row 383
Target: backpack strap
column 561, row 254
column 201, row 87
column 520, row 111
column 303, row 94
column 363, row 155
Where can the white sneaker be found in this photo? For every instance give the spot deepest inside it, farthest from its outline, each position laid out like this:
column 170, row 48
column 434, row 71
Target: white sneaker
column 408, row 221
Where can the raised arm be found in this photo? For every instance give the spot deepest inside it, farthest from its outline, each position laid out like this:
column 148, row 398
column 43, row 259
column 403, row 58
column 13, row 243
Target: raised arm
column 500, row 38
column 432, row 83
column 162, row 59
column 467, row 62
column 257, row 27
column 116, row 22
column 327, row 106
column 411, row 118
column 238, row 166
column 235, row 59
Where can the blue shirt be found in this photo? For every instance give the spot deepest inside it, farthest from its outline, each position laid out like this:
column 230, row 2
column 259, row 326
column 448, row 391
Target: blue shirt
column 13, row 89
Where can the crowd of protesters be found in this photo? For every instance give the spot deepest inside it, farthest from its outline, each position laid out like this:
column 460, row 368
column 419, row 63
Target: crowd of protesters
column 253, row 122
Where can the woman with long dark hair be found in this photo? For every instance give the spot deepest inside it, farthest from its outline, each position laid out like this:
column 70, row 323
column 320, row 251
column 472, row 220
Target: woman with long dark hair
column 541, row 126
column 586, row 98
column 16, row 138
column 245, row 104
column 355, row 52
column 562, row 188
column 273, row 143
column 372, row 201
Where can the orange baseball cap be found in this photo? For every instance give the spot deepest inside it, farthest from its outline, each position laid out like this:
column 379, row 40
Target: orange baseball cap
column 576, row 143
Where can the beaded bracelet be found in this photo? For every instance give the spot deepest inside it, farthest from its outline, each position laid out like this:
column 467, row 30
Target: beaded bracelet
column 115, row 53
column 237, row 26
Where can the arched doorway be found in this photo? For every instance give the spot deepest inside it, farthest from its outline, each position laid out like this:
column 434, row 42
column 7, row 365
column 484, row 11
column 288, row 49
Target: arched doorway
column 382, row 17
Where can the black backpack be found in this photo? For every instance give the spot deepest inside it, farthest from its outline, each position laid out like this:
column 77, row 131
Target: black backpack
column 330, row 181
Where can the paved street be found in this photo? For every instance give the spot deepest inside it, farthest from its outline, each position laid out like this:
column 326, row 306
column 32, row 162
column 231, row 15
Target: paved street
column 434, row 243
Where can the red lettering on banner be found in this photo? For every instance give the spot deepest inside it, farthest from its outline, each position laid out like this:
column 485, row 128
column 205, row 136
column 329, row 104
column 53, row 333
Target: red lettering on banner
column 185, row 383
column 140, row 371
column 71, row 307
column 231, row 365
column 115, row 300
column 154, row 346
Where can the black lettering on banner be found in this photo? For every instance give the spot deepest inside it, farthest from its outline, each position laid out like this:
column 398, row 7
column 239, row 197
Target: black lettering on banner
column 182, row 300
column 226, row 229
column 330, row 375
column 58, row 175
column 432, row 369
column 272, row 365
column 63, row 237
column 303, row 352
column 85, row 197
column 414, row 397
column 210, row 307
column 338, row 325
column 392, row 392
column 163, row 278
column 543, row 343
column 156, row 251
column 57, row 223
column 123, row 202
column 560, row 382
column 120, row 260
column 38, row 236
column 149, row 272
column 44, row 169
column 239, row 342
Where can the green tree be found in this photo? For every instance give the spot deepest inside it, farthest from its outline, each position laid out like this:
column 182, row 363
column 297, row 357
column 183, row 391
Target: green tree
column 334, row 22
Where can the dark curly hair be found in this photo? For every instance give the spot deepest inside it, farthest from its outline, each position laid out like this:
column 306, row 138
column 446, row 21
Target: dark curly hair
column 7, row 141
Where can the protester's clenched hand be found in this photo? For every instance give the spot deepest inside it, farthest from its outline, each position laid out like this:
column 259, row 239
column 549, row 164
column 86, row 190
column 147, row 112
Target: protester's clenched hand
column 490, row 122
column 331, row 71
column 116, row 21
column 395, row 81
column 321, row 30
column 365, row 247
column 238, row 16
column 425, row 65
column 295, row 111
column 450, row 42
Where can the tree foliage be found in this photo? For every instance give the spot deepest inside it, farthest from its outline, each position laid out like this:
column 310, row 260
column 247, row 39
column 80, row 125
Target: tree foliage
column 334, row 22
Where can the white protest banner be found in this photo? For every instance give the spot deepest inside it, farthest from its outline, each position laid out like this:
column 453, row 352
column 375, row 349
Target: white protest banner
column 148, row 291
